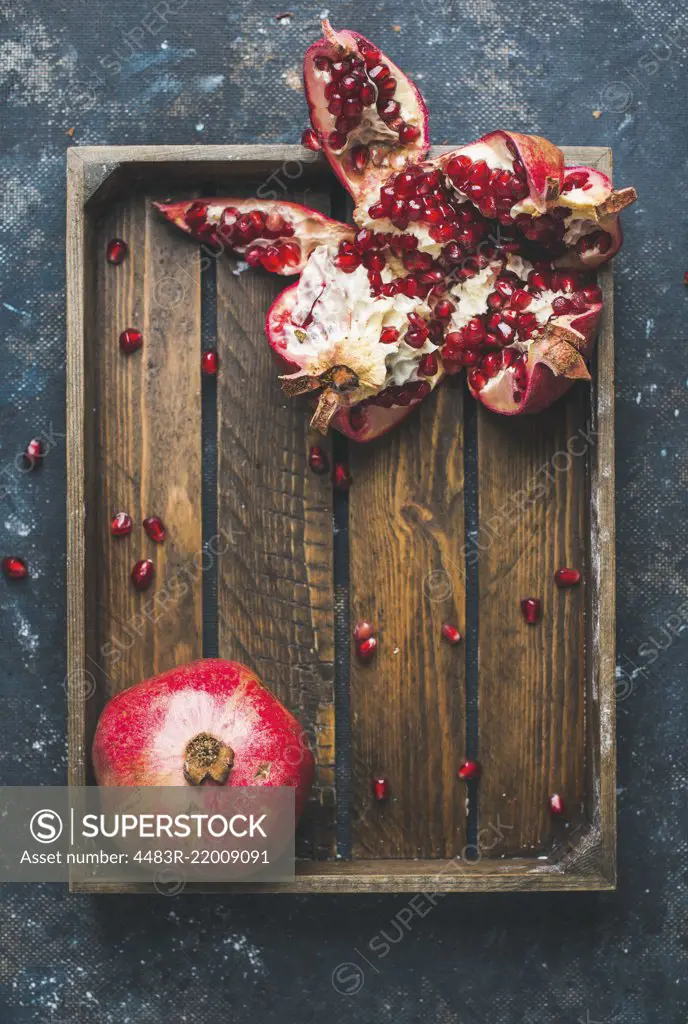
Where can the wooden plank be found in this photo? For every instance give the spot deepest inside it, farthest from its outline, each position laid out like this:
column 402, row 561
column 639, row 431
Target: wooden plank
column 149, row 456
column 275, row 581
column 406, row 576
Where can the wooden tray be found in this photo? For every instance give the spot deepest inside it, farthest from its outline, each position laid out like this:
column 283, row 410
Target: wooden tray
column 455, row 516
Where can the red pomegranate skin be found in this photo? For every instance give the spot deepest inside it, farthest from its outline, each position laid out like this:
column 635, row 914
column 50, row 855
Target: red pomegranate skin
column 143, row 732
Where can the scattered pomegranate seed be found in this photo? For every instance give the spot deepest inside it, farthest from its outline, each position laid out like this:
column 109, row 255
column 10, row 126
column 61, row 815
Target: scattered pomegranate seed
column 317, row 460
column 210, row 362
column 116, row 251
column 143, row 574
column 155, row 529
column 531, row 608
column 685, row 277
column 14, row 568
column 363, row 630
column 556, row 805
column 567, row 577
column 310, row 140
column 342, row 477
column 380, row 788
column 121, row 524
column 34, row 453
column 366, row 649
column 451, row 633
column 389, row 335
column 469, row 770
column 130, row 340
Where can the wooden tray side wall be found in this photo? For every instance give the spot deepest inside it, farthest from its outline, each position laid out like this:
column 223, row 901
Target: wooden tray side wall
column 564, row 740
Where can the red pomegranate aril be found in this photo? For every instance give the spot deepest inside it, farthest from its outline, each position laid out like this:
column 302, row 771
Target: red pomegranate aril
column 347, row 261
column 336, row 106
column 210, row 363
column 491, row 364
column 378, row 73
column 337, row 140
column 495, row 300
column 310, row 140
column 342, row 478
column 155, row 528
column 576, row 179
column 428, row 365
column 509, row 316
column 363, row 630
column 561, row 306
column 196, row 216
column 367, row 94
column 271, row 258
column 539, row 280
column 408, row 133
column 323, row 63
column 592, row 293
column 116, row 251
column 14, row 568
column 253, row 256
column 470, row 357
column 366, row 648
column 451, row 633
column 121, row 524
column 532, row 609
column 474, row 331
column 415, row 338
column 476, row 379
column 317, row 460
column 291, row 253
column 359, row 157
column 578, row 303
column 556, row 805
column 521, row 299
column 387, row 88
column 381, row 789
column 459, row 168
column 130, row 340
column 562, row 282
column 567, row 577
column 388, row 110
column 444, row 309
column 469, row 771
column 505, row 288
column 34, row 454
column 389, row 335
column 143, row 574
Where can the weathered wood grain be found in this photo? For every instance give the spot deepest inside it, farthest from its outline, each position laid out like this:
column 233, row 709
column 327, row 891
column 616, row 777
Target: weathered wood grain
column 148, row 459
column 406, row 577
column 275, row 574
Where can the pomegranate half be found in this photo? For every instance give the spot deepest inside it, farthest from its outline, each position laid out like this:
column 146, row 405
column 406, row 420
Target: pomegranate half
column 482, row 259
column 208, row 722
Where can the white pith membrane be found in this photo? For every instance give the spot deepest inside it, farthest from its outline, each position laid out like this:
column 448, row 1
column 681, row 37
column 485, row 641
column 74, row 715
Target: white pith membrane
column 336, row 322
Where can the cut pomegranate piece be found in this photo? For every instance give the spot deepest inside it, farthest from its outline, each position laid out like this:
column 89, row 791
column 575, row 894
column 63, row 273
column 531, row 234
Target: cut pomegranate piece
column 341, row 477
column 469, row 770
column 556, row 805
column 532, row 610
column 318, row 461
column 121, row 525
column 380, row 788
column 143, row 574
column 116, row 251
column 14, row 568
column 391, row 134
column 210, row 363
column 567, row 577
column 592, row 206
column 451, row 633
column 34, row 454
column 155, row 528
column 247, row 226
column 130, row 340
column 363, row 630
column 366, row 648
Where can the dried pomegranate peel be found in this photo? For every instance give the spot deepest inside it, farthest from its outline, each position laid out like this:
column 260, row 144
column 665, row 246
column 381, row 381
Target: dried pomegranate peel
column 482, row 259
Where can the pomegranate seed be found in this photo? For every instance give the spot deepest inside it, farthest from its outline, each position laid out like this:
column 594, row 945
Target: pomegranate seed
column 253, row 256
column 539, row 281
column 367, row 94
column 521, row 299
column 310, row 140
column 415, row 338
column 155, row 529
column 387, row 88
column 210, row 362
column 428, row 366
column 130, row 340
column 317, row 460
column 116, row 251
column 363, row 630
column 337, row 140
column 556, row 805
column 380, row 788
column 474, row 331
column 491, row 364
column 459, row 168
column 291, row 253
column 593, row 294
column 359, row 157
column 388, row 110
column 389, row 335
column 143, row 574
column 347, row 261
column 121, row 524
column 444, row 309
column 451, row 633
column 408, row 133
column 476, row 379
column 561, row 306
column 531, row 608
column 271, row 258
column 574, row 180
column 34, row 453
column 342, row 478
column 366, row 648
column 378, row 73
column 196, row 216
column 469, row 770
column 567, row 577
column 579, row 303
column 14, row 568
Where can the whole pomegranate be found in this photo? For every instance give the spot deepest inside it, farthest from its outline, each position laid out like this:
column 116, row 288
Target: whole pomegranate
column 208, row 722
column 482, row 259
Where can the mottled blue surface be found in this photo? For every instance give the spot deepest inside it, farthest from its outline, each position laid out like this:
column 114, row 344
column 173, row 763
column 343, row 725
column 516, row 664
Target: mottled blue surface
column 218, row 73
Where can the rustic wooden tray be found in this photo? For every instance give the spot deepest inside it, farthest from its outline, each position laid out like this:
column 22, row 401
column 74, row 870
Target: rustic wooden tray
column 455, row 516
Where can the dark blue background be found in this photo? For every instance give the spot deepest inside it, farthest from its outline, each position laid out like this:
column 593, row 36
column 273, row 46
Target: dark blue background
column 227, row 73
